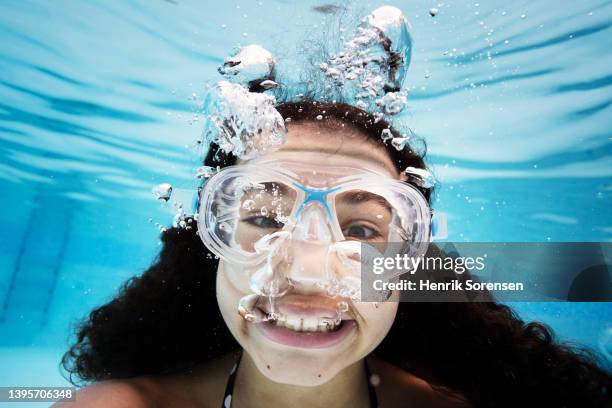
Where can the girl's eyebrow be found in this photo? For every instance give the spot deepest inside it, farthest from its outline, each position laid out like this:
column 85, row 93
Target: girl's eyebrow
column 358, row 197
column 272, row 187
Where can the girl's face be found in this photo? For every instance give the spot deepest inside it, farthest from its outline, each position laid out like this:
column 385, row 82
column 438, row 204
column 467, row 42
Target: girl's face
column 296, row 352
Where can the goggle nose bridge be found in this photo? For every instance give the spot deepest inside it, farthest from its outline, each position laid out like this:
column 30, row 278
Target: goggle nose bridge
column 314, row 195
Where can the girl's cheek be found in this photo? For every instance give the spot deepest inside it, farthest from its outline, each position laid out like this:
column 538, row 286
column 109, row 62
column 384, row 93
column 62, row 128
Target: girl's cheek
column 228, row 298
column 377, row 319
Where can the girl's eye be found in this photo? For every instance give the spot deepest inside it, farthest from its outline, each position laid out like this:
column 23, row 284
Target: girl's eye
column 360, row 232
column 264, row 222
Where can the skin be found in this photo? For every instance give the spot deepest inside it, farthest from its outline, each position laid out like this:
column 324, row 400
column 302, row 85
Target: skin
column 271, row 374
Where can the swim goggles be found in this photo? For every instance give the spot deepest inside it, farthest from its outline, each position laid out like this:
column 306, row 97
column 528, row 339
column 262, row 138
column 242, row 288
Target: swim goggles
column 244, row 209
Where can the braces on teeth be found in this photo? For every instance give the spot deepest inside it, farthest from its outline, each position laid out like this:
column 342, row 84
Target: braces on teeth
column 247, row 309
column 306, row 324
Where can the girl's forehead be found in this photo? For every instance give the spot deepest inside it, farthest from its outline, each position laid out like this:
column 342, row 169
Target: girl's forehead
column 336, row 146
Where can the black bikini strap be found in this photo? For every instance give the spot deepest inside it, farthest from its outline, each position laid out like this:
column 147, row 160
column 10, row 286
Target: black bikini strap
column 229, row 387
column 371, row 388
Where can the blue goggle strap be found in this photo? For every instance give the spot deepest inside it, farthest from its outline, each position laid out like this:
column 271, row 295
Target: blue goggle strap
column 439, row 225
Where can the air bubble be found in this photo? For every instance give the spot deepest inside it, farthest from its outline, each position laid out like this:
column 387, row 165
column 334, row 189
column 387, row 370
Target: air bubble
column 433, row 11
column 392, row 103
column 399, row 142
column 251, row 63
column 268, row 84
column 421, row 177
column 373, row 62
column 205, row 171
column 386, row 135
column 162, row 191
column 248, row 205
column 225, row 227
column 418, row 146
column 246, row 307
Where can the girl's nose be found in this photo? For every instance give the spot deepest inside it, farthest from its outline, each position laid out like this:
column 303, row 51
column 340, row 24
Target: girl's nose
column 308, row 273
column 313, row 225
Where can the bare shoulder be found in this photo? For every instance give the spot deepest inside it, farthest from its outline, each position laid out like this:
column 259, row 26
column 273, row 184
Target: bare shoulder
column 112, row 393
column 397, row 387
column 202, row 386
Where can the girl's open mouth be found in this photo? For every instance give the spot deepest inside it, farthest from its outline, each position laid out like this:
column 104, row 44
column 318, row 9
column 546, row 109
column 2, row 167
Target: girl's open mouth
column 297, row 327
column 306, row 339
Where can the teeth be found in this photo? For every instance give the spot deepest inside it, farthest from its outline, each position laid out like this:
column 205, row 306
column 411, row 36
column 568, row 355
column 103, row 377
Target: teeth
column 310, row 324
column 293, row 322
column 306, row 324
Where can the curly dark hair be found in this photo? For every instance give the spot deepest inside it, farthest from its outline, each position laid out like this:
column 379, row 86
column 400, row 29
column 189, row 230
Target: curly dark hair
column 167, row 320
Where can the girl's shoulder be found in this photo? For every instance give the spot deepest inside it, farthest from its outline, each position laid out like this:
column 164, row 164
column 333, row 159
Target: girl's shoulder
column 202, row 386
column 396, row 387
column 110, row 393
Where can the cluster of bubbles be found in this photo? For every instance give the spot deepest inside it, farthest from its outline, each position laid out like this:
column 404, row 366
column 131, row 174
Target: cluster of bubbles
column 339, row 288
column 245, row 121
column 159, row 226
column 371, row 67
column 273, row 277
column 181, row 218
column 163, row 192
column 398, row 142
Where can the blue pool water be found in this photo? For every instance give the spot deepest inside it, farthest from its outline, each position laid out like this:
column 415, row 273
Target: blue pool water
column 99, row 99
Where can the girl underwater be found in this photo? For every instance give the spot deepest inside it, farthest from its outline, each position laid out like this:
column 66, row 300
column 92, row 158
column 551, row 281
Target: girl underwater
column 253, row 305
